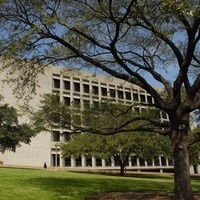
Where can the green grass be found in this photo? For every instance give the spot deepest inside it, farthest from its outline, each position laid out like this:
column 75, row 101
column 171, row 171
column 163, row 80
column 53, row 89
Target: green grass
column 26, row 184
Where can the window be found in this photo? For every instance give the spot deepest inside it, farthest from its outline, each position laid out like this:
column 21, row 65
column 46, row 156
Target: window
column 77, row 87
column 66, row 101
column 67, row 85
column 163, row 161
column 55, row 160
column 78, row 162
column 133, row 160
column 108, row 163
column 103, row 91
column 116, row 160
column 95, row 90
column 66, row 136
column 156, row 161
column 77, row 103
column 128, row 95
column 86, row 88
column 137, row 109
column 67, row 162
column 120, row 94
column 135, row 97
column 86, row 103
column 95, row 104
column 98, row 162
column 142, row 161
column 149, row 99
column 88, row 161
column 56, row 83
column 142, row 98
column 112, row 93
column 55, row 136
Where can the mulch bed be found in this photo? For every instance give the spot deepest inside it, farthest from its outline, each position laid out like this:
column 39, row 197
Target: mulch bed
column 136, row 196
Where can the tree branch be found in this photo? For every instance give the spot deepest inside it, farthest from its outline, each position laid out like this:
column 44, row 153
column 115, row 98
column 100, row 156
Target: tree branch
column 193, row 138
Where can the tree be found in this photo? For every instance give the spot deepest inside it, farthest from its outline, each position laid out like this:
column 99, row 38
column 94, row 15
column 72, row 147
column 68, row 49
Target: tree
column 12, row 134
column 120, row 146
column 136, row 41
column 107, row 142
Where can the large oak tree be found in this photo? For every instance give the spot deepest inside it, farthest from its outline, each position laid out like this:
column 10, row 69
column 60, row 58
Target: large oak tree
column 142, row 42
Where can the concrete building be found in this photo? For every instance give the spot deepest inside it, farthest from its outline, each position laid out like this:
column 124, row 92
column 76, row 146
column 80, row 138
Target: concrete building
column 80, row 87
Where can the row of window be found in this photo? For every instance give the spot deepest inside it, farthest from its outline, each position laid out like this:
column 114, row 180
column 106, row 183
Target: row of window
column 58, row 137
column 85, row 103
column 134, row 161
column 104, row 91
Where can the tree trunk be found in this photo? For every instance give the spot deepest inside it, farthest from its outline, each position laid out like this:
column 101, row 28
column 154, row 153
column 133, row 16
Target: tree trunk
column 122, row 167
column 182, row 181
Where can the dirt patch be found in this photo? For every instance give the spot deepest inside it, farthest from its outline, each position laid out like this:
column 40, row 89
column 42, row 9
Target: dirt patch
column 136, row 196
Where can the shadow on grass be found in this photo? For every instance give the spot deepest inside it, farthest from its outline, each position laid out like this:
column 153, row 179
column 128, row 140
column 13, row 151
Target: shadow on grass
column 84, row 186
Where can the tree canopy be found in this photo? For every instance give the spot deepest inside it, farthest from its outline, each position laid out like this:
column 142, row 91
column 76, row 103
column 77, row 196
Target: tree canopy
column 12, row 134
column 121, row 146
column 105, row 117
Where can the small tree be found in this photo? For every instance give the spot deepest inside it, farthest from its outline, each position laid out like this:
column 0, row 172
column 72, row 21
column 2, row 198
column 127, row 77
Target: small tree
column 12, row 134
column 120, row 146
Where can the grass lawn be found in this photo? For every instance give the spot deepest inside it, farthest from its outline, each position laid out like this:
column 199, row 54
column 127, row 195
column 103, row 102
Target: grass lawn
column 27, row 184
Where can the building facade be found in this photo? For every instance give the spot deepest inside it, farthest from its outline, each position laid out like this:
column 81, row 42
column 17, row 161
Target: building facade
column 82, row 88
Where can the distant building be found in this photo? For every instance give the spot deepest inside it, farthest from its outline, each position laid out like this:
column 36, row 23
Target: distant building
column 80, row 87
